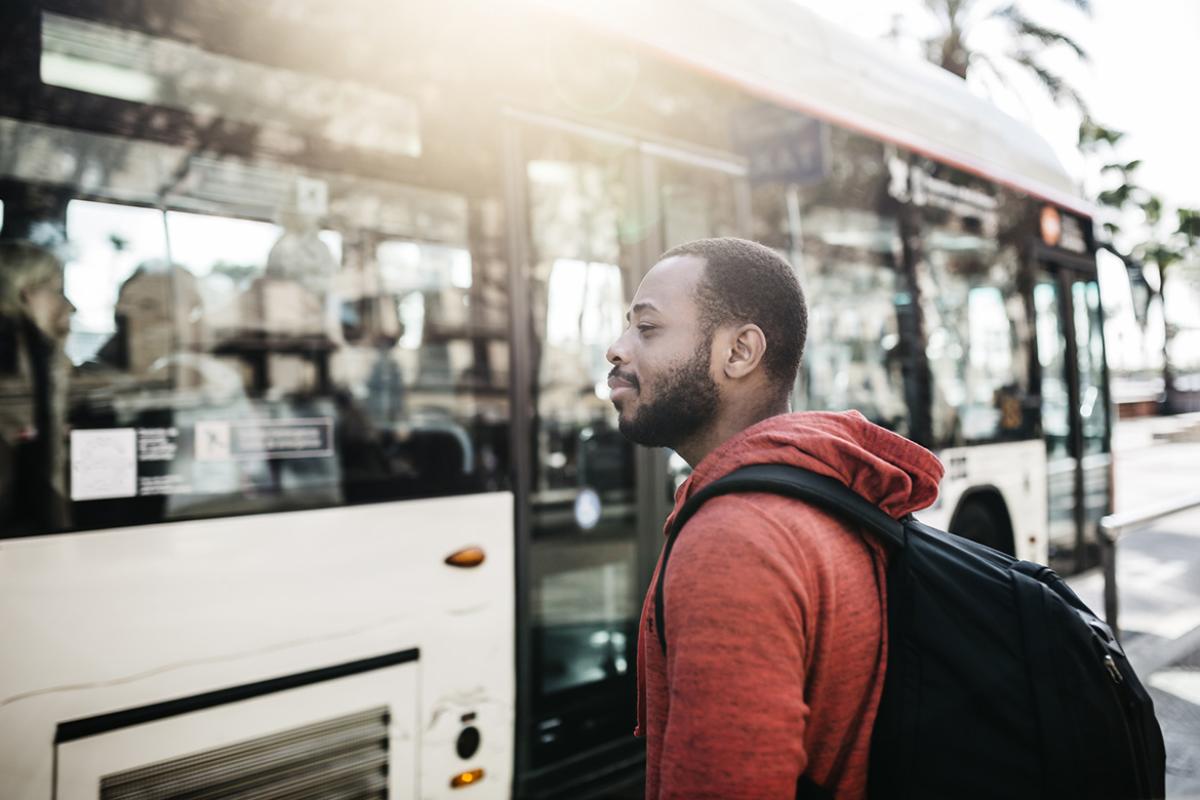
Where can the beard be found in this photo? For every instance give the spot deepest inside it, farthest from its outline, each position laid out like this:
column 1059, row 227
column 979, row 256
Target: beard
column 685, row 401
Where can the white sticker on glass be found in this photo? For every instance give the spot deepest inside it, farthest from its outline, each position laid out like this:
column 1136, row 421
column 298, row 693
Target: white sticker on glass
column 103, row 463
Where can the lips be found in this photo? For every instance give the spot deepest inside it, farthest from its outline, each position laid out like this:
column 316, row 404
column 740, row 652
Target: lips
column 618, row 385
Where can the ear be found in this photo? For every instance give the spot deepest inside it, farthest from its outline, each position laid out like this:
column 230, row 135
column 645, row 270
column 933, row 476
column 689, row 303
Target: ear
column 746, row 350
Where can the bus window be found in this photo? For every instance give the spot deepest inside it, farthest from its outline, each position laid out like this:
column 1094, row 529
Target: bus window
column 852, row 357
column 976, row 334
column 842, row 244
column 262, row 359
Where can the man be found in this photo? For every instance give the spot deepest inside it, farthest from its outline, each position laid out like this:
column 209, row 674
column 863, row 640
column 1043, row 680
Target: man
column 774, row 610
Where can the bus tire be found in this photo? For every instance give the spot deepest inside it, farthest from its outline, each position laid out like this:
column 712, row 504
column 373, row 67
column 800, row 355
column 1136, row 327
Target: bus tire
column 982, row 521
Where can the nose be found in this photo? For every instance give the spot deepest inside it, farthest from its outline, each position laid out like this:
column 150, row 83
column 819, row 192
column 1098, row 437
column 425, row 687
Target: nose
column 617, row 353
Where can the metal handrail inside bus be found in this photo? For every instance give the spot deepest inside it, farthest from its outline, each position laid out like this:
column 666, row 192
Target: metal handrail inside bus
column 1113, row 527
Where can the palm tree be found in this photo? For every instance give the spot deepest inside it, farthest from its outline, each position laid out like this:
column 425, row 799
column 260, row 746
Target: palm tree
column 1173, row 253
column 1101, row 144
column 959, row 45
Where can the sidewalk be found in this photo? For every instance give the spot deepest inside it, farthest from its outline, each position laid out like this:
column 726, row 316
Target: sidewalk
column 1142, row 432
column 1158, row 576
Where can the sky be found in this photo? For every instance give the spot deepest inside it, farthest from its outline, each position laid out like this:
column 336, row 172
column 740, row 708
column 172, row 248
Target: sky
column 1141, row 78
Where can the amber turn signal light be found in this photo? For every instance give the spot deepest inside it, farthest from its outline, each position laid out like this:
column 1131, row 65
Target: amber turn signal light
column 466, row 778
column 467, row 557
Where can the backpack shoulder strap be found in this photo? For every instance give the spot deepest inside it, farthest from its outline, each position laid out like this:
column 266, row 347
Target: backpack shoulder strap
column 788, row 481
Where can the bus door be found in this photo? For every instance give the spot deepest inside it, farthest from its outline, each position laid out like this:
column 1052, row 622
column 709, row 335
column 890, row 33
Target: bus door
column 578, row 598
column 1075, row 411
column 598, row 208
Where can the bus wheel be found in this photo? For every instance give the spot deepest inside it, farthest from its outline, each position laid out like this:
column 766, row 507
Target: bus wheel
column 979, row 522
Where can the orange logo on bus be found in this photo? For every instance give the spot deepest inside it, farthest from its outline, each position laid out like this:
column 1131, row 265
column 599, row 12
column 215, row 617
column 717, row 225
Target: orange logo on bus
column 1051, row 226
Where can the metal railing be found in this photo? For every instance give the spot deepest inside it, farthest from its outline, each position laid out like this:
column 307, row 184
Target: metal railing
column 1115, row 526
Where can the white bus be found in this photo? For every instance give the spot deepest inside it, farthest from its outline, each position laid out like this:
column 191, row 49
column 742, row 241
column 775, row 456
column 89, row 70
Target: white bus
column 319, row 493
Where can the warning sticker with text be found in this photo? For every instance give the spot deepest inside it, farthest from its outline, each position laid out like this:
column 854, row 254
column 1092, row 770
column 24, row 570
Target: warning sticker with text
column 224, row 440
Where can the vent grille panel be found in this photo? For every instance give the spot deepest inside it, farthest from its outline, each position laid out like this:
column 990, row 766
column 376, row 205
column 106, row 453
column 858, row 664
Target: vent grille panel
column 345, row 758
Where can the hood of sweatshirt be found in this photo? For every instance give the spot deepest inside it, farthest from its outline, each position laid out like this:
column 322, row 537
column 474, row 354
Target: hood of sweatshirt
column 895, row 474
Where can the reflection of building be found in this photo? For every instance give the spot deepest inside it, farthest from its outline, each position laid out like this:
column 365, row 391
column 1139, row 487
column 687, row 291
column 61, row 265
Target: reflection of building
column 284, row 334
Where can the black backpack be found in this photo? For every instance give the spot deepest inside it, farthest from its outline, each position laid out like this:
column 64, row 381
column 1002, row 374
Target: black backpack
column 1000, row 682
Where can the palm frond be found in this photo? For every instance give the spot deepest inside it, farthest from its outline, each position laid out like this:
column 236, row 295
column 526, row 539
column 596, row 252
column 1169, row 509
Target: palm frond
column 1092, row 133
column 1116, row 198
column 1152, row 207
column 1125, row 169
column 984, row 60
column 1161, row 254
column 1026, row 27
column 1058, row 89
column 1189, row 224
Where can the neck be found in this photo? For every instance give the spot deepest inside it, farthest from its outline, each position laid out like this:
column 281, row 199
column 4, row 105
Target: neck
column 724, row 427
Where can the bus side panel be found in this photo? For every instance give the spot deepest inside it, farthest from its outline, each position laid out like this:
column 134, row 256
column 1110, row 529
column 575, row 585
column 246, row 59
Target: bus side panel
column 122, row 619
column 1017, row 470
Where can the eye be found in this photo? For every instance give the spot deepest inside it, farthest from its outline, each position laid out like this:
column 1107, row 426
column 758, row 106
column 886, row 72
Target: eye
column 646, row 327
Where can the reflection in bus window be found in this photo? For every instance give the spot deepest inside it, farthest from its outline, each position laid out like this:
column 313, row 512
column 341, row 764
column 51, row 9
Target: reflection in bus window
column 1090, row 348
column 430, row 289
column 279, row 360
column 108, row 244
column 696, row 203
column 585, row 306
column 1051, row 348
column 577, row 210
column 583, row 560
column 35, row 317
column 852, row 359
column 975, row 323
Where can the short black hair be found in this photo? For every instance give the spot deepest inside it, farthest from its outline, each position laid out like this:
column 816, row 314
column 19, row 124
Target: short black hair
column 746, row 282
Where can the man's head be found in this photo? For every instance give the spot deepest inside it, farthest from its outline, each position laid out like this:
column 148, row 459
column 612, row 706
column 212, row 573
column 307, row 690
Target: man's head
column 715, row 335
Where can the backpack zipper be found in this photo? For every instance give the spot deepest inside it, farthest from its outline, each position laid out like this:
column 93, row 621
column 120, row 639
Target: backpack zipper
column 1113, row 672
column 1131, row 725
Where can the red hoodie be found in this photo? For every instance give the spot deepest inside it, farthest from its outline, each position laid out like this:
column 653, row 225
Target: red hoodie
column 776, row 634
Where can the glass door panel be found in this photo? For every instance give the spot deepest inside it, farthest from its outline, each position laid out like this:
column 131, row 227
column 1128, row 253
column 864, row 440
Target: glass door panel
column 1075, row 418
column 1095, row 458
column 1085, row 300
column 1056, row 413
column 697, row 202
column 584, row 603
column 694, row 201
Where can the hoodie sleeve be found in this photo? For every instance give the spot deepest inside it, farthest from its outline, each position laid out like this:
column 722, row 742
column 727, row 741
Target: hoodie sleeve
column 735, row 614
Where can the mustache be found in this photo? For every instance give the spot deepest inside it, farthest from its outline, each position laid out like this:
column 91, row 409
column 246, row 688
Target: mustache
column 628, row 377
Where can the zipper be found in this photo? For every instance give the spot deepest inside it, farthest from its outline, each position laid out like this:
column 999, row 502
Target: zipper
column 1113, row 672
column 1130, row 722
